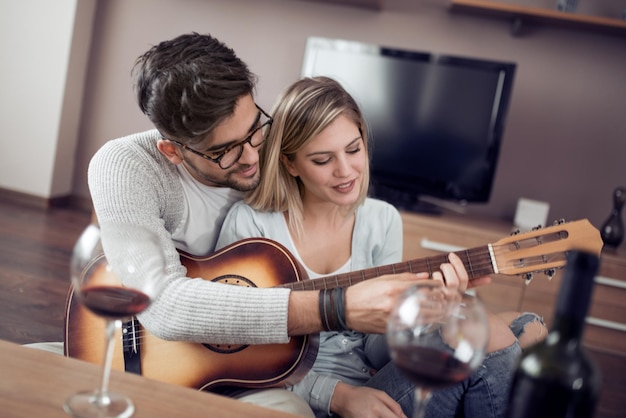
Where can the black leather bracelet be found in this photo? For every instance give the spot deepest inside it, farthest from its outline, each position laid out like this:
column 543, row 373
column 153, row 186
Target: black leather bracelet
column 332, row 322
column 340, row 308
column 332, row 307
column 324, row 311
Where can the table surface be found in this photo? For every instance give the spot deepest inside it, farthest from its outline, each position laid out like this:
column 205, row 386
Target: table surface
column 35, row 383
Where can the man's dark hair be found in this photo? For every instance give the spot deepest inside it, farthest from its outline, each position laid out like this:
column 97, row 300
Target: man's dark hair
column 188, row 85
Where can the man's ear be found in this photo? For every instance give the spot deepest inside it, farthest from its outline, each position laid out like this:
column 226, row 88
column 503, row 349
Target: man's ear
column 171, row 151
column 289, row 165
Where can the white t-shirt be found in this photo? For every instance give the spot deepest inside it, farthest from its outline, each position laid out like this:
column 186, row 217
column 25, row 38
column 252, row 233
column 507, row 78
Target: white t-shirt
column 205, row 210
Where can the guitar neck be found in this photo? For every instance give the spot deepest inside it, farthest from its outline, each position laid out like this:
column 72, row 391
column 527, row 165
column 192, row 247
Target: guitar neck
column 477, row 261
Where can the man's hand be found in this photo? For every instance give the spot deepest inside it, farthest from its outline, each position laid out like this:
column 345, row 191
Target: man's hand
column 363, row 402
column 369, row 303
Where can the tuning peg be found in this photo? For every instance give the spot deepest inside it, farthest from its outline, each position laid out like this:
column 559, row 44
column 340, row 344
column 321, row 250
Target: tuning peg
column 550, row 273
column 515, row 232
column 528, row 277
column 536, row 228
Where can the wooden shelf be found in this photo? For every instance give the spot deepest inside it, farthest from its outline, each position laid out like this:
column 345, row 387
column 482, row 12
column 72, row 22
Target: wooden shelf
column 521, row 14
column 366, row 4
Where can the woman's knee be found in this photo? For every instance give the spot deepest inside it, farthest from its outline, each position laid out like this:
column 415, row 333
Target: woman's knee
column 500, row 334
column 529, row 328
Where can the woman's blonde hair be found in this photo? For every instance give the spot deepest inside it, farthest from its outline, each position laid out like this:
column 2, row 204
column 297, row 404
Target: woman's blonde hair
column 302, row 112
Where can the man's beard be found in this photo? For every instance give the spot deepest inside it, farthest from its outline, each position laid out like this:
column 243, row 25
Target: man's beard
column 243, row 186
column 227, row 179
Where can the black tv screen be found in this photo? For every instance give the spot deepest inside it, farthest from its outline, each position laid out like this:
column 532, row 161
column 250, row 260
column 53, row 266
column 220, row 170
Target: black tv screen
column 435, row 121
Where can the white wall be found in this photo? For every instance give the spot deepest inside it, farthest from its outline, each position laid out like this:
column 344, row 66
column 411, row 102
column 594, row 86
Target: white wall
column 45, row 45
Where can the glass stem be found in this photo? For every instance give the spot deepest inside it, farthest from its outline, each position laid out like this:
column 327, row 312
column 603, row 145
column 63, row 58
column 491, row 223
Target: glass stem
column 422, row 396
column 103, row 398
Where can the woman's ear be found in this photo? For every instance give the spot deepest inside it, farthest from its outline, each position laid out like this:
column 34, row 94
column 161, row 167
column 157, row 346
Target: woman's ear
column 170, row 150
column 289, row 165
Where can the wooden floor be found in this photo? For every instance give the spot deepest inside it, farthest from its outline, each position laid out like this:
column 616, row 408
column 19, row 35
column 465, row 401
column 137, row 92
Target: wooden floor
column 35, row 248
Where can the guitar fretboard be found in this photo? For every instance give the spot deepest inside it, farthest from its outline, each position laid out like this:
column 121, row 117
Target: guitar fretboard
column 477, row 261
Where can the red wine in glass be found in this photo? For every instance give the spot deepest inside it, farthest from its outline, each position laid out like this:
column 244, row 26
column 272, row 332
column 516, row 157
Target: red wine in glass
column 430, row 368
column 114, row 302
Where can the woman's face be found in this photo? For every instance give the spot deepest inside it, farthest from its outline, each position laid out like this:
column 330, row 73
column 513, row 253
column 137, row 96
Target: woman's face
column 331, row 164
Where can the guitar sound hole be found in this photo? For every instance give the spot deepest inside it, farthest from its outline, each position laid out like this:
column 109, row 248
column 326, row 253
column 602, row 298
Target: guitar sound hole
column 234, row 280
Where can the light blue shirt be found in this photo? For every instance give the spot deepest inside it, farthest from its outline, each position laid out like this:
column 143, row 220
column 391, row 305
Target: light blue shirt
column 350, row 357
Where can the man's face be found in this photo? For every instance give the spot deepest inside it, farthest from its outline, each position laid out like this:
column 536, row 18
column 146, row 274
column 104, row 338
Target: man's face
column 244, row 175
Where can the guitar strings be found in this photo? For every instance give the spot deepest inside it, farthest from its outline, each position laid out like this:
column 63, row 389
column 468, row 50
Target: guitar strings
column 481, row 265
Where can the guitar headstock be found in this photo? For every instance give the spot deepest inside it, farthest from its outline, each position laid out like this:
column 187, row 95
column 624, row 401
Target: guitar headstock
column 545, row 249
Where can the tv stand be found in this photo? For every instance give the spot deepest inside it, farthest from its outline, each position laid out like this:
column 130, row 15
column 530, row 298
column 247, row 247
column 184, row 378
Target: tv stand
column 423, row 207
column 415, row 203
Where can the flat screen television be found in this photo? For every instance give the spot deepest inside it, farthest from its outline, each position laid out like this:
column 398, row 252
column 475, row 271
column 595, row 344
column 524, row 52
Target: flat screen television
column 435, row 121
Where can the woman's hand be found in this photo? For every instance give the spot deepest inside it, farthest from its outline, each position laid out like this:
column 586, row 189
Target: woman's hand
column 363, row 402
column 455, row 277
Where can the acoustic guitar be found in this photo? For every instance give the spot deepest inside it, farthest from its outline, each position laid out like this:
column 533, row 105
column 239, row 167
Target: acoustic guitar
column 259, row 262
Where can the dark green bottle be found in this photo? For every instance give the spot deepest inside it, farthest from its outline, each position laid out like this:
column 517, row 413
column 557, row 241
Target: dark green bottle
column 555, row 378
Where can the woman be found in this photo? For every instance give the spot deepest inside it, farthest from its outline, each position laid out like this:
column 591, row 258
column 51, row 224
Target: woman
column 313, row 199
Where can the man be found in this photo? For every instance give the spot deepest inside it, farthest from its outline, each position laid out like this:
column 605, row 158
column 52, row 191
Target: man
column 180, row 180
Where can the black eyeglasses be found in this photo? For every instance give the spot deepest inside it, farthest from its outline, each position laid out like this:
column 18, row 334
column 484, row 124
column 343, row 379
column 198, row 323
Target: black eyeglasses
column 227, row 158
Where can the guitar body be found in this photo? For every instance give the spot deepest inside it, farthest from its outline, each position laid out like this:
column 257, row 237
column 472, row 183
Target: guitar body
column 252, row 262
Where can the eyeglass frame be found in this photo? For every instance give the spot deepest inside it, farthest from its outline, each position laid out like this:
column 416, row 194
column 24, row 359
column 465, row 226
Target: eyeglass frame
column 248, row 139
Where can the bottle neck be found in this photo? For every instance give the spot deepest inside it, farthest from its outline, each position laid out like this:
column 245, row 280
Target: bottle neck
column 567, row 328
column 575, row 295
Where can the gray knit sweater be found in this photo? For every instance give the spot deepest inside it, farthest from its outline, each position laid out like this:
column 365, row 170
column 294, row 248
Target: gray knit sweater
column 132, row 182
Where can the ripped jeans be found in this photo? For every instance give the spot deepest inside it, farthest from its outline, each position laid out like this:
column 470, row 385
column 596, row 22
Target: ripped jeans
column 483, row 395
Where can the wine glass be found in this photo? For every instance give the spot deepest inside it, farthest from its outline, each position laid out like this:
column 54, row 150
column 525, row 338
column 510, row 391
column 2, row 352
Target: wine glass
column 114, row 287
column 437, row 337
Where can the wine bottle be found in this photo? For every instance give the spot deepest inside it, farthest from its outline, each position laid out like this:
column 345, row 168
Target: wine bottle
column 555, row 378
